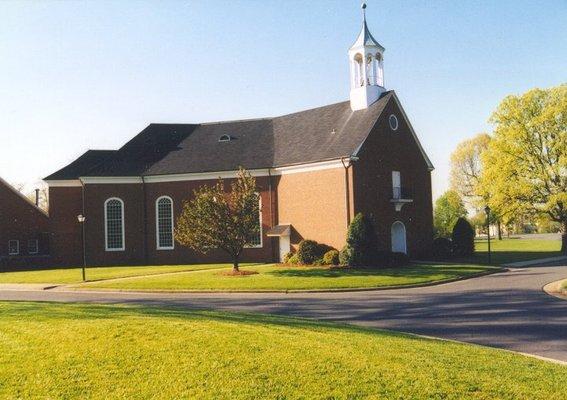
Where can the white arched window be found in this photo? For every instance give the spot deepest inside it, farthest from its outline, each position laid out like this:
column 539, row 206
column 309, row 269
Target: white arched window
column 256, row 240
column 164, row 223
column 114, row 224
column 398, row 231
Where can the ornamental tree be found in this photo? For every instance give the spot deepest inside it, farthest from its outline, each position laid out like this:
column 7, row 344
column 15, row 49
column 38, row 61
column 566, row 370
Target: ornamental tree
column 219, row 219
column 525, row 165
column 449, row 208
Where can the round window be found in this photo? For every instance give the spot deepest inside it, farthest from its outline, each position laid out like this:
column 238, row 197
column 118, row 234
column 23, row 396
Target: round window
column 393, row 122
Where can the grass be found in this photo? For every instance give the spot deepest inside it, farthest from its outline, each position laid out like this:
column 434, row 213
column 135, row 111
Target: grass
column 73, row 275
column 281, row 278
column 74, row 351
column 513, row 250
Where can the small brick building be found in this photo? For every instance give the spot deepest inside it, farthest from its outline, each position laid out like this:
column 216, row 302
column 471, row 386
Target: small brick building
column 315, row 170
column 24, row 238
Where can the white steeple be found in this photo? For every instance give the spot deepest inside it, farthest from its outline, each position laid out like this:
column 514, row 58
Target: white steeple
column 366, row 57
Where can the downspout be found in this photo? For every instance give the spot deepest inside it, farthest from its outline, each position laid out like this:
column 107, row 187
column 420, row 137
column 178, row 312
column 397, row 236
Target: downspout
column 347, row 190
column 145, row 221
column 347, row 165
column 272, row 216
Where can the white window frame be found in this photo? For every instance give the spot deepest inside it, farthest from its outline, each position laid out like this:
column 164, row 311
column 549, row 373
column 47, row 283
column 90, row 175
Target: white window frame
column 10, row 253
column 106, row 225
column 36, row 251
column 399, row 186
column 259, row 246
column 393, row 116
column 172, row 247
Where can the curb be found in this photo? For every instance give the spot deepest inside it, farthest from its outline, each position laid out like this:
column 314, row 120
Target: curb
column 494, row 270
column 554, row 289
column 535, row 262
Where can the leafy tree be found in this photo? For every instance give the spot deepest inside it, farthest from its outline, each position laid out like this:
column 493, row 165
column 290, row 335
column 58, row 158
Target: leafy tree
column 449, row 207
column 362, row 244
column 463, row 238
column 466, row 170
column 215, row 219
column 525, row 165
column 466, row 166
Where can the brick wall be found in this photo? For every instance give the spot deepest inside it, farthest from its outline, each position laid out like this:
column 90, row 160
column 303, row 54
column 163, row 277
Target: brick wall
column 65, row 204
column 314, row 204
column 20, row 220
column 383, row 152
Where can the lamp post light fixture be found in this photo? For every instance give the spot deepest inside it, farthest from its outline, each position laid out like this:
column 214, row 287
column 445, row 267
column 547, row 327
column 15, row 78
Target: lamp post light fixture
column 487, row 211
column 81, row 218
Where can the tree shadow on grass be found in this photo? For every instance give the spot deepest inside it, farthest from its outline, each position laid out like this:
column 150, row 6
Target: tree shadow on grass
column 64, row 313
column 413, row 271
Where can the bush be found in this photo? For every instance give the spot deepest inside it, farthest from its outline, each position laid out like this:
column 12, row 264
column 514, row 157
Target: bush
column 442, row 248
column 309, row 252
column 287, row 257
column 362, row 243
column 463, row 238
column 331, row 257
column 344, row 255
column 294, row 260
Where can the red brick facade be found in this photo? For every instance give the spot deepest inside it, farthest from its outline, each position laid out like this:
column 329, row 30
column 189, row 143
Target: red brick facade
column 316, row 201
column 21, row 221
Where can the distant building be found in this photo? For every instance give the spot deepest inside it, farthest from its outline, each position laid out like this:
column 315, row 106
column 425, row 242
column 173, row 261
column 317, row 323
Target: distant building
column 24, row 227
column 315, row 170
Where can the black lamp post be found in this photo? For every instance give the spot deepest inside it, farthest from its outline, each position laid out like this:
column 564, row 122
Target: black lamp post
column 487, row 211
column 81, row 218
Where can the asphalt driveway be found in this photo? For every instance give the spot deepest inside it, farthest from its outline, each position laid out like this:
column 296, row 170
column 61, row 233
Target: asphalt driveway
column 507, row 310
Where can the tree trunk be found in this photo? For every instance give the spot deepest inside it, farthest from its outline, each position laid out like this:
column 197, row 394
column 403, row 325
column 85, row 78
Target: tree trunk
column 564, row 237
column 499, row 229
column 235, row 265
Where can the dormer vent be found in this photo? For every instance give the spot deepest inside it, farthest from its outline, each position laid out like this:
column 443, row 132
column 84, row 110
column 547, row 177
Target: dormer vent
column 225, row 138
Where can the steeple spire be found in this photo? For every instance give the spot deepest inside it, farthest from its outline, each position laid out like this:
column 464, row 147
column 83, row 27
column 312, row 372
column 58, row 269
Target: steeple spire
column 366, row 57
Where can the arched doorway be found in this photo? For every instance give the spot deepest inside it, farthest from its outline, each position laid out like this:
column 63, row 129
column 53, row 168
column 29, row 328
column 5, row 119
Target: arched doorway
column 399, row 238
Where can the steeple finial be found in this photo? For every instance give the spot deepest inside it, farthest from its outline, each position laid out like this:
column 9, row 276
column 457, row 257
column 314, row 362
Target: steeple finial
column 363, row 6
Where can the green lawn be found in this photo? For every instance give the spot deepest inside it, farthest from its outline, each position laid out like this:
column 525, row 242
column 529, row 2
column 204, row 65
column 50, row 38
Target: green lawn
column 283, row 278
column 73, row 275
column 74, row 351
column 513, row 250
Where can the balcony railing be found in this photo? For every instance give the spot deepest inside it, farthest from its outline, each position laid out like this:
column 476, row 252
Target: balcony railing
column 401, row 193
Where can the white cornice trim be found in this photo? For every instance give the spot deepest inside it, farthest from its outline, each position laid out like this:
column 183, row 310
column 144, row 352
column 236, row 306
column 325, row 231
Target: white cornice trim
column 99, row 180
column 61, row 183
column 197, row 176
column 201, row 176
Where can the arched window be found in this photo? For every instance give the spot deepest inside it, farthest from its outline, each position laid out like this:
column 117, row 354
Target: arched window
column 114, row 224
column 358, row 75
column 379, row 70
column 164, row 223
column 398, row 232
column 370, row 70
column 256, row 240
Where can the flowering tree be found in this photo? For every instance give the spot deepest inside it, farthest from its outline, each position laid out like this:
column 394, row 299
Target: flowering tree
column 217, row 219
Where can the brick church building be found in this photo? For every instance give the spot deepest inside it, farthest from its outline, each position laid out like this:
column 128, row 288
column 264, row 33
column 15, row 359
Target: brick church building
column 315, row 170
column 24, row 227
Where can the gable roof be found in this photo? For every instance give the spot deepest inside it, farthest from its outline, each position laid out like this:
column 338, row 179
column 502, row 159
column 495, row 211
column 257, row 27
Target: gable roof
column 28, row 202
column 81, row 165
column 320, row 134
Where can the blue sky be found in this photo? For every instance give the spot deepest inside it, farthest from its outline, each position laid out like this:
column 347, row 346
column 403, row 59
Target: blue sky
column 79, row 75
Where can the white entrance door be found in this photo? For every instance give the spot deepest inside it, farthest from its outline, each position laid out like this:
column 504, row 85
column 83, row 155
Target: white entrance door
column 399, row 237
column 285, row 246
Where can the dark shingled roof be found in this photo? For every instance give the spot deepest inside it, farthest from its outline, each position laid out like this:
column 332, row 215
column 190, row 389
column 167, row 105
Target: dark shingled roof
column 81, row 165
column 320, row 134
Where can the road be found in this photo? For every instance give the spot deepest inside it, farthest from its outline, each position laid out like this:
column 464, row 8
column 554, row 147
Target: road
column 507, row 310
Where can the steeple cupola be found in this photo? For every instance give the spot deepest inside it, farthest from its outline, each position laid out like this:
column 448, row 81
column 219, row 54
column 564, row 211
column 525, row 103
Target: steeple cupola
column 366, row 57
